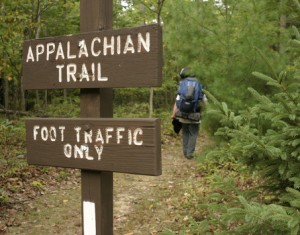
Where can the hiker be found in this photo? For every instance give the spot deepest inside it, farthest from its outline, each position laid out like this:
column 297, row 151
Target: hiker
column 186, row 110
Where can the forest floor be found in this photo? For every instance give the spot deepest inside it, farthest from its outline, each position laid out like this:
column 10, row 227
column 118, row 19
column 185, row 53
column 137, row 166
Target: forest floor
column 142, row 204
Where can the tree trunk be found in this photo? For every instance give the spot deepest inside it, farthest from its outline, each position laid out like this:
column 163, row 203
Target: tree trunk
column 5, row 81
column 37, row 35
column 160, row 4
column 23, row 104
column 151, row 102
column 65, row 90
column 282, row 30
column 6, row 93
column 65, row 95
column 46, row 99
column 282, row 24
column 37, row 98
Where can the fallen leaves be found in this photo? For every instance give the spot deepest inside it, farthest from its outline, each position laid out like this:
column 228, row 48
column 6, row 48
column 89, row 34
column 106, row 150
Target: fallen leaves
column 142, row 204
column 24, row 186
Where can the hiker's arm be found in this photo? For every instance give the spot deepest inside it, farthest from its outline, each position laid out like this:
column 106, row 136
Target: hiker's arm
column 204, row 98
column 174, row 111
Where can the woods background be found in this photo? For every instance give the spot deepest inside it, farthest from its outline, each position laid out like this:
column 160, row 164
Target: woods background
column 245, row 53
column 221, row 41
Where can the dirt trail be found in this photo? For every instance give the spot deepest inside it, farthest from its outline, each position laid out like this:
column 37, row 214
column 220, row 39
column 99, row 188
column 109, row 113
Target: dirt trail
column 142, row 204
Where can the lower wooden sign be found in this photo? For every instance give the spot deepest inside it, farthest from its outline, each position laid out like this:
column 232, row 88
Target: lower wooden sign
column 106, row 144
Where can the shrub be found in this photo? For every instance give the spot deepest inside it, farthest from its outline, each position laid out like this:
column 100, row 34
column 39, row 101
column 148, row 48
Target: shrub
column 266, row 138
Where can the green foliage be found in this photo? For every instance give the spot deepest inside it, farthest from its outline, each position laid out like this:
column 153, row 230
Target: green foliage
column 63, row 175
column 12, row 144
column 37, row 184
column 12, row 133
column 223, row 44
column 164, row 97
column 249, row 218
column 266, row 136
column 169, row 232
column 60, row 107
column 132, row 110
column 3, row 197
column 131, row 13
column 230, row 208
column 61, row 18
column 22, row 20
column 262, row 219
column 292, row 197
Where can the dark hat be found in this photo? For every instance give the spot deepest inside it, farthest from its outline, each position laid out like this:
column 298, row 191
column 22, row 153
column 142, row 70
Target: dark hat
column 177, row 125
column 186, row 72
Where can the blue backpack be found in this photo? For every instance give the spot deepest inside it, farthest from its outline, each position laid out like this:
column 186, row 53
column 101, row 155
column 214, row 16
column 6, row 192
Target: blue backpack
column 190, row 92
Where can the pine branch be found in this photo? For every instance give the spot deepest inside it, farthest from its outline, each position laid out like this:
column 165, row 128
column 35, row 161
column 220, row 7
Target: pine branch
column 267, row 62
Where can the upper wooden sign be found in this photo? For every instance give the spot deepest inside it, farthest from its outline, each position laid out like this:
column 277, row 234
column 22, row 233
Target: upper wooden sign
column 129, row 57
column 106, row 144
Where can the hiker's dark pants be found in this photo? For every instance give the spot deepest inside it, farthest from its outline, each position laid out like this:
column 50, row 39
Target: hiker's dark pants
column 189, row 138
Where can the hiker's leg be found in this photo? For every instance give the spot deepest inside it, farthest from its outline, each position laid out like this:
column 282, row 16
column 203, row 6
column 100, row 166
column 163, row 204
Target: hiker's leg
column 193, row 134
column 185, row 138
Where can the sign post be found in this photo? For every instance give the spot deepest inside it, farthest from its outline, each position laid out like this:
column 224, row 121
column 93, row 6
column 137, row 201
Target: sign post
column 96, row 61
column 96, row 186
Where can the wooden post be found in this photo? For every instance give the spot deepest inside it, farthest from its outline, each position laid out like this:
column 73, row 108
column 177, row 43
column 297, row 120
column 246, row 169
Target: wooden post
column 96, row 186
column 136, row 147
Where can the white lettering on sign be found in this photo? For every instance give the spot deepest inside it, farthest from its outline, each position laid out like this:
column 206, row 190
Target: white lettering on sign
column 69, row 56
column 65, row 52
column 81, row 151
column 89, row 140
column 109, row 132
column 73, row 74
column 93, row 51
column 50, row 133
column 119, row 135
column 122, row 44
column 50, row 50
column 99, row 150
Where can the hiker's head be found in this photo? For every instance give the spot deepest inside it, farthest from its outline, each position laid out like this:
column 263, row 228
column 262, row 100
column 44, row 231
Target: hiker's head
column 186, row 72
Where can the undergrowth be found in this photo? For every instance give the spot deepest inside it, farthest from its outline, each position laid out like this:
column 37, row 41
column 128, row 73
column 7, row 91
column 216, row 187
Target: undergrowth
column 264, row 139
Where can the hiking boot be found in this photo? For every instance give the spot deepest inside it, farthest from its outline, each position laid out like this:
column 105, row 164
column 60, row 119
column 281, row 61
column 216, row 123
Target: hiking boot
column 189, row 157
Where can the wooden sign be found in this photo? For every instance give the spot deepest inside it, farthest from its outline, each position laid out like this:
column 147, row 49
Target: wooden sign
column 98, row 146
column 129, row 57
column 118, row 145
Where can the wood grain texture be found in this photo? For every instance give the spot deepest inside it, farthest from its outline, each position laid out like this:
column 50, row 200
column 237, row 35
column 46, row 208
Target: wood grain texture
column 97, row 186
column 139, row 69
column 138, row 150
